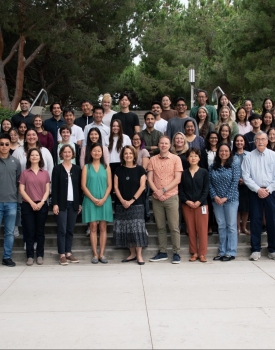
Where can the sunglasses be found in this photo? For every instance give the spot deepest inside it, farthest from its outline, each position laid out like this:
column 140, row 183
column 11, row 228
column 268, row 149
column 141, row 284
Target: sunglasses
column 4, row 144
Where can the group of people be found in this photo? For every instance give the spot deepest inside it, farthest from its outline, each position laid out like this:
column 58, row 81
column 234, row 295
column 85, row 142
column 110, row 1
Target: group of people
column 211, row 165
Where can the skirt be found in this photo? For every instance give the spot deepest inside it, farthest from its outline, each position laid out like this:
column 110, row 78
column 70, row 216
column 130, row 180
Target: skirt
column 129, row 227
column 243, row 199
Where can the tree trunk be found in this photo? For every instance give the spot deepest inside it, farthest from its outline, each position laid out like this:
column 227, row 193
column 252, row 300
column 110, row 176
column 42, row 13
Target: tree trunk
column 20, row 74
column 4, row 94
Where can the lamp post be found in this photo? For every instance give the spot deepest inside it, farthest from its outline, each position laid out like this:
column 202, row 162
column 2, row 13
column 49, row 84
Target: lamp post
column 192, row 82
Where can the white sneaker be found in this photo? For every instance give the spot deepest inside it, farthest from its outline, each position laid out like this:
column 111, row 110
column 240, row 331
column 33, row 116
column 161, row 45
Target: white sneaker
column 25, row 246
column 88, row 232
column 35, row 245
column 255, row 256
column 16, row 231
column 271, row 255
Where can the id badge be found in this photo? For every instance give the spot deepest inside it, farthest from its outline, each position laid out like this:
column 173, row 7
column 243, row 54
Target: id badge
column 203, row 209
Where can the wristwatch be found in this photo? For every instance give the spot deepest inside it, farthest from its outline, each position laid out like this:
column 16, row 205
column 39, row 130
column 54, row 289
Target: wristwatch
column 134, row 198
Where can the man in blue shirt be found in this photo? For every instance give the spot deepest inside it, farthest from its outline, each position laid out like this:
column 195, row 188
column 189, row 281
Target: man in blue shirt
column 258, row 172
column 53, row 124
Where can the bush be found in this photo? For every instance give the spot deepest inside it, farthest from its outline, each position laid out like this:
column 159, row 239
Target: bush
column 6, row 113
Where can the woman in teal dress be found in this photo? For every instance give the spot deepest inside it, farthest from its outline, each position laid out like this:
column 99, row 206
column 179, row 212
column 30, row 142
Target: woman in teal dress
column 96, row 184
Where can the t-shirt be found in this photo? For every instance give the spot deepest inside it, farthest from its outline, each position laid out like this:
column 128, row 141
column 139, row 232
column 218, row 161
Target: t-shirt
column 114, row 154
column 76, row 135
column 129, row 182
column 35, row 184
column 168, row 114
column 160, row 125
column 108, row 117
column 129, row 121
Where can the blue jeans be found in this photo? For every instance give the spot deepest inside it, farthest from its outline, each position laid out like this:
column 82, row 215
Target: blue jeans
column 226, row 216
column 8, row 212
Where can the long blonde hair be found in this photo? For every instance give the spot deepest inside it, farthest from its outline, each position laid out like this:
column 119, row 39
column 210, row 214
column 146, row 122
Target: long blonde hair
column 185, row 147
column 220, row 121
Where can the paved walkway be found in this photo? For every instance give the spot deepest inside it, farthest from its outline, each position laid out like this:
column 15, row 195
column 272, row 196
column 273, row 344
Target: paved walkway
column 156, row 306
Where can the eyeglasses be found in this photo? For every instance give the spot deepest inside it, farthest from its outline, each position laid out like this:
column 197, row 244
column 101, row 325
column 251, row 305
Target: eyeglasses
column 261, row 140
column 4, row 144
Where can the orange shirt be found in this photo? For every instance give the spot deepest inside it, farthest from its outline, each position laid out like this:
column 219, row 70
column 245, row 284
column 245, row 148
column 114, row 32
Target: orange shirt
column 164, row 171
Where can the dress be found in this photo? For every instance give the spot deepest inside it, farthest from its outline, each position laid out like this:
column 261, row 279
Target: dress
column 97, row 184
column 129, row 225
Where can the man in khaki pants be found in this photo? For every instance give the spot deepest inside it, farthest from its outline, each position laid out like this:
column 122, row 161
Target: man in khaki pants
column 164, row 175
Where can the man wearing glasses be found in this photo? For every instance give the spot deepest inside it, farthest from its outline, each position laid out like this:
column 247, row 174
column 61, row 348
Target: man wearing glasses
column 10, row 170
column 176, row 124
column 202, row 98
column 258, row 171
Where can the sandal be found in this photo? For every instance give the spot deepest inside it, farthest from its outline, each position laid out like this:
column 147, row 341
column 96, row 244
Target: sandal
column 246, row 232
column 194, row 257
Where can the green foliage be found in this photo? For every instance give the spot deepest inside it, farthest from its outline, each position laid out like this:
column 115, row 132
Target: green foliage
column 6, row 113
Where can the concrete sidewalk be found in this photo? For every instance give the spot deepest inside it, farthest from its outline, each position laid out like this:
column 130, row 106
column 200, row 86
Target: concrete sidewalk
column 125, row 306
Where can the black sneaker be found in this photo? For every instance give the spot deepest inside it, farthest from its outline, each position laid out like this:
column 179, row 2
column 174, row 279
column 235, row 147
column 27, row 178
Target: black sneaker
column 176, row 259
column 8, row 262
column 160, row 256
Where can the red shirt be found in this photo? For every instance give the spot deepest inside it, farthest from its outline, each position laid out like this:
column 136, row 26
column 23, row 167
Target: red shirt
column 35, row 185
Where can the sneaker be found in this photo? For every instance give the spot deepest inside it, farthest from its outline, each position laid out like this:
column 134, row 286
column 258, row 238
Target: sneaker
column 25, row 246
column 72, row 259
column 176, row 259
column 39, row 260
column 103, row 260
column 271, row 255
column 8, row 262
column 34, row 245
column 16, row 231
column 29, row 262
column 63, row 261
column 160, row 256
column 88, row 232
column 255, row 256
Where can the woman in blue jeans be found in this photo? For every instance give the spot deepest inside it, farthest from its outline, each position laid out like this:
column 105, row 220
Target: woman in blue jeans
column 224, row 175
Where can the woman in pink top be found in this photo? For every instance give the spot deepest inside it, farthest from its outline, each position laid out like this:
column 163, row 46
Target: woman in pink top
column 242, row 122
column 34, row 186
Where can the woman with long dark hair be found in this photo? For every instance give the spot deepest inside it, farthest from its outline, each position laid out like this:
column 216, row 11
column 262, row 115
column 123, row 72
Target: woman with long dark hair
column 22, row 128
column 271, row 139
column 267, row 105
column 242, row 121
column 223, row 100
column 225, row 134
column 6, row 124
column 224, row 177
column 268, row 121
column 45, row 137
column 202, row 119
column 96, row 184
column 13, row 132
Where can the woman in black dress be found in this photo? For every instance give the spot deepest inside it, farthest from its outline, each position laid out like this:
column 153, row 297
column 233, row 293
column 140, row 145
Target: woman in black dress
column 129, row 225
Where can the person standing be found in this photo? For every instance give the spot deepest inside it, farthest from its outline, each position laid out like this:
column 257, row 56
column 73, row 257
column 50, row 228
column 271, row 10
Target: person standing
column 66, row 201
column 129, row 120
column 258, row 171
column 167, row 112
column 256, row 122
column 10, row 170
column 202, row 98
column 129, row 225
column 53, row 124
column 77, row 135
column 150, row 135
column 45, row 137
column 87, row 116
column 194, row 188
column 160, row 124
column 97, row 123
column 96, row 184
column 164, row 175
column 24, row 115
column 108, row 112
column 34, row 187
column 224, row 175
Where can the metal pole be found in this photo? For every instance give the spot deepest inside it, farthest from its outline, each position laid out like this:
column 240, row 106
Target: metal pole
column 192, row 95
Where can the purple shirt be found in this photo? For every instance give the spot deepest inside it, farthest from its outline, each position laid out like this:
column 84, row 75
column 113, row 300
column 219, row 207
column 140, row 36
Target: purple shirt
column 35, row 185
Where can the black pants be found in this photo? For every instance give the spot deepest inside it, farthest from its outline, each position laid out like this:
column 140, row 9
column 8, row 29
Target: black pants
column 34, row 222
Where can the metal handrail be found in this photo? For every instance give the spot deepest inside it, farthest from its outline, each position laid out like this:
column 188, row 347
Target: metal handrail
column 44, row 96
column 215, row 97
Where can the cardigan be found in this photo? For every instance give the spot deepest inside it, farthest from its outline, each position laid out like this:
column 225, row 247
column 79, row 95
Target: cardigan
column 60, row 186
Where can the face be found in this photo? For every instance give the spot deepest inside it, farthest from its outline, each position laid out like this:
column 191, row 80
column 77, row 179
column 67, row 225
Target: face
column 150, row 121
column 164, row 145
column 4, row 147
column 136, row 141
column 156, row 109
column 128, row 155
column 166, row 102
column 213, row 139
column 202, row 114
column 124, row 102
column 67, row 153
column 24, row 105
column 202, row 98
column 268, row 104
column 96, row 152
column 179, row 141
column 106, row 104
column 261, row 142
column 225, row 114
column 267, row 118
column 69, row 118
column 94, row 137
column 224, row 132
column 37, row 122
column 248, row 106
column 193, row 158
column 224, row 101
column 14, row 136
column 256, row 123
column 181, row 106
column 224, row 153
column 56, row 111
column 65, row 134
column 189, row 128
column 86, row 108
column 22, row 129
column 115, row 128
column 6, row 125
column 31, row 137
column 34, row 157
column 241, row 115
column 239, row 142
column 98, row 115
column 271, row 136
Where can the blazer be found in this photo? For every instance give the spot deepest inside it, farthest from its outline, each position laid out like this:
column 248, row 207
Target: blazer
column 60, row 186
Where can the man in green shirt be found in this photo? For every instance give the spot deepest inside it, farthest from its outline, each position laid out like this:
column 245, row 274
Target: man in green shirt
column 150, row 135
column 202, row 97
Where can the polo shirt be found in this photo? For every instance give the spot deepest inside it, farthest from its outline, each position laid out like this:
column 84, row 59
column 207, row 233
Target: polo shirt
column 28, row 119
column 10, row 170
